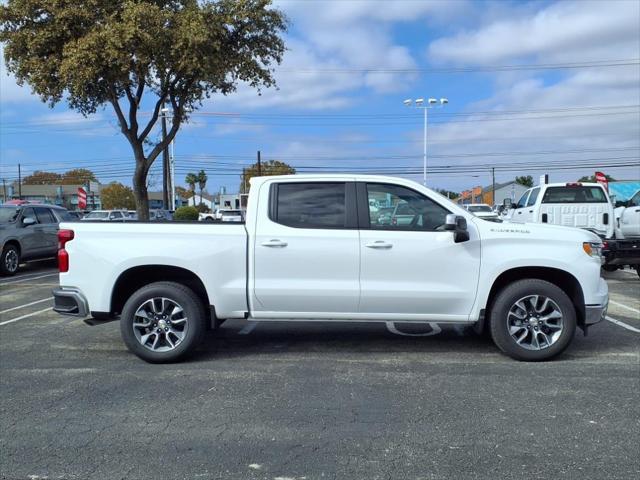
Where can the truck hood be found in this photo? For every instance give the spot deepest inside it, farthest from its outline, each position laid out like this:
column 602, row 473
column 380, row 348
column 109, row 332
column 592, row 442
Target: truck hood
column 535, row 231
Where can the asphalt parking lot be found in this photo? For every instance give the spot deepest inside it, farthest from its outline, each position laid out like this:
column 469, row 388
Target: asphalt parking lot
column 307, row 401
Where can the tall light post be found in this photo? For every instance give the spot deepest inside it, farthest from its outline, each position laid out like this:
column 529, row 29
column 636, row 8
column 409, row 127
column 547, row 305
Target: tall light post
column 425, row 106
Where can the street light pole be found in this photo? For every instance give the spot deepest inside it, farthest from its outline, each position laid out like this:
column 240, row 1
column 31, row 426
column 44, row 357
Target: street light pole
column 424, row 151
column 420, row 103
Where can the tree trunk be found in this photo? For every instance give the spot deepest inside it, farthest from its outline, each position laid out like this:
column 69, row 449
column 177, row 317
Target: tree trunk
column 140, row 192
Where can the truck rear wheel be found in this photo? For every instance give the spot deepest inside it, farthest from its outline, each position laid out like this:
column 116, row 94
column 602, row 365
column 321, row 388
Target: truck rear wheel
column 162, row 322
column 532, row 320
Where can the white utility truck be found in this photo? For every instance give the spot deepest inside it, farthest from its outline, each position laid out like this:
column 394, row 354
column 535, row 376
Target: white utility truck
column 311, row 250
column 582, row 205
column 624, row 248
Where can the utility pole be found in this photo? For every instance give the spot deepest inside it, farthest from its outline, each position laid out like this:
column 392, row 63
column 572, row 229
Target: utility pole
column 19, row 183
column 493, row 189
column 4, row 190
column 165, row 163
column 244, row 180
column 259, row 165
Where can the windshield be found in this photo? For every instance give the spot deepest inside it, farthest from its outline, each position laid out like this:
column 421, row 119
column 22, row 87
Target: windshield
column 97, row 215
column 232, row 213
column 9, row 214
column 479, row 208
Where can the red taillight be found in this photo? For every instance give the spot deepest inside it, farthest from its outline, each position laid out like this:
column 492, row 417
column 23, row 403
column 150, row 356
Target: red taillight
column 63, row 256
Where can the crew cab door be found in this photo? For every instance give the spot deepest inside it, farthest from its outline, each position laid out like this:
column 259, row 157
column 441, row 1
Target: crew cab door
column 306, row 251
column 630, row 219
column 48, row 228
column 413, row 269
column 528, row 212
column 518, row 214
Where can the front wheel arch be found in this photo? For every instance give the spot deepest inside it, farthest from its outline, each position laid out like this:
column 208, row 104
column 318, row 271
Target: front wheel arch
column 562, row 279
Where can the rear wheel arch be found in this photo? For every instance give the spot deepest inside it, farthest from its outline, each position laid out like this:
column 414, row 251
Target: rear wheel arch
column 564, row 280
column 134, row 278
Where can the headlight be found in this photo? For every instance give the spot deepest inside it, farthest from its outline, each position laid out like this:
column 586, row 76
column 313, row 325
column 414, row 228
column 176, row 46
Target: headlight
column 593, row 249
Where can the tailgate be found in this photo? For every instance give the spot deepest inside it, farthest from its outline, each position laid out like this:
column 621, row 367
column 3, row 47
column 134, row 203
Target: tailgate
column 591, row 216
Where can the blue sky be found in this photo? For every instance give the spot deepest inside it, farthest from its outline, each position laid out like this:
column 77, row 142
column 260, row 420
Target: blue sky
column 349, row 66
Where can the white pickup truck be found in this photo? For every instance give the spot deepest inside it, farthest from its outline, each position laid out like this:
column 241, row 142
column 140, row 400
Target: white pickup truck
column 313, row 249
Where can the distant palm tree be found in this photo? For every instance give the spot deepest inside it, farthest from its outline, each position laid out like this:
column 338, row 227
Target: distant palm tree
column 202, row 182
column 191, row 179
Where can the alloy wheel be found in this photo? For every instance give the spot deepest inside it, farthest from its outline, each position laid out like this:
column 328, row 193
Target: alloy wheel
column 535, row 322
column 11, row 260
column 160, row 324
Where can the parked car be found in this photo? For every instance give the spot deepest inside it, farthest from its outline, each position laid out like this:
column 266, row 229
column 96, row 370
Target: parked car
column 107, row 215
column 624, row 248
column 28, row 232
column 216, row 215
column 309, row 251
column 160, row 215
column 231, row 216
column 75, row 215
column 582, row 205
column 483, row 211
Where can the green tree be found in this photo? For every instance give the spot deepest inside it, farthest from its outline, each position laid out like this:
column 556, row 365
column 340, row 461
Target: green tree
column 267, row 169
column 79, row 176
column 448, row 193
column 40, row 177
column 183, row 192
column 526, row 181
column 116, row 196
column 191, row 179
column 138, row 55
column 202, row 182
column 592, row 179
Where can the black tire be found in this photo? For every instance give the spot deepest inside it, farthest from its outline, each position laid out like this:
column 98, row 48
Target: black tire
column 610, row 268
column 10, row 260
column 508, row 296
column 193, row 311
column 637, row 267
column 208, row 219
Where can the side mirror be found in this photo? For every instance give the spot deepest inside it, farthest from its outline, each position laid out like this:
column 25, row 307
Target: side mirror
column 507, row 203
column 458, row 225
column 26, row 221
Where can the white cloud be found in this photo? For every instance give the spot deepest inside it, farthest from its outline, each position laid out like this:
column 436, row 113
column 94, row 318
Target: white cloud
column 570, row 31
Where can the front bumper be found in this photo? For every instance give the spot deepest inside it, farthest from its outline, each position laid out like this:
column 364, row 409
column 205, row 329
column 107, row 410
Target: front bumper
column 70, row 301
column 595, row 313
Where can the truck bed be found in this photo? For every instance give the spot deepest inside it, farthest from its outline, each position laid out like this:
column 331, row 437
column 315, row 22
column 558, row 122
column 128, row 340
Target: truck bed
column 215, row 252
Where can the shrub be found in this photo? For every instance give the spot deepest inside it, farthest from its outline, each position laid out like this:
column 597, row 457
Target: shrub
column 186, row 213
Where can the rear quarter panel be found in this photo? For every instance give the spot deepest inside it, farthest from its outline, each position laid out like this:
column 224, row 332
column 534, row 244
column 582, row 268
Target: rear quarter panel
column 102, row 251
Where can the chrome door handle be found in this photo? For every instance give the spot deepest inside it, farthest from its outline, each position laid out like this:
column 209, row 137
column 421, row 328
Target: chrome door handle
column 379, row 244
column 274, row 243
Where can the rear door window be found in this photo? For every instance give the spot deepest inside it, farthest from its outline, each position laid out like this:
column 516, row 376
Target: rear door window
column 310, row 205
column 574, row 194
column 45, row 216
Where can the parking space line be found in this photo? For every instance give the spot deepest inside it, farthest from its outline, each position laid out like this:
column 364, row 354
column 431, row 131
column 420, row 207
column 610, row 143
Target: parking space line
column 622, row 324
column 29, row 315
column 26, row 305
column 28, row 275
column 435, row 329
column 20, row 280
column 622, row 305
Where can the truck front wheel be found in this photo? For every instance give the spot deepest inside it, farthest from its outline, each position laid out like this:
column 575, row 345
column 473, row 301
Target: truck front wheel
column 532, row 320
column 162, row 322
